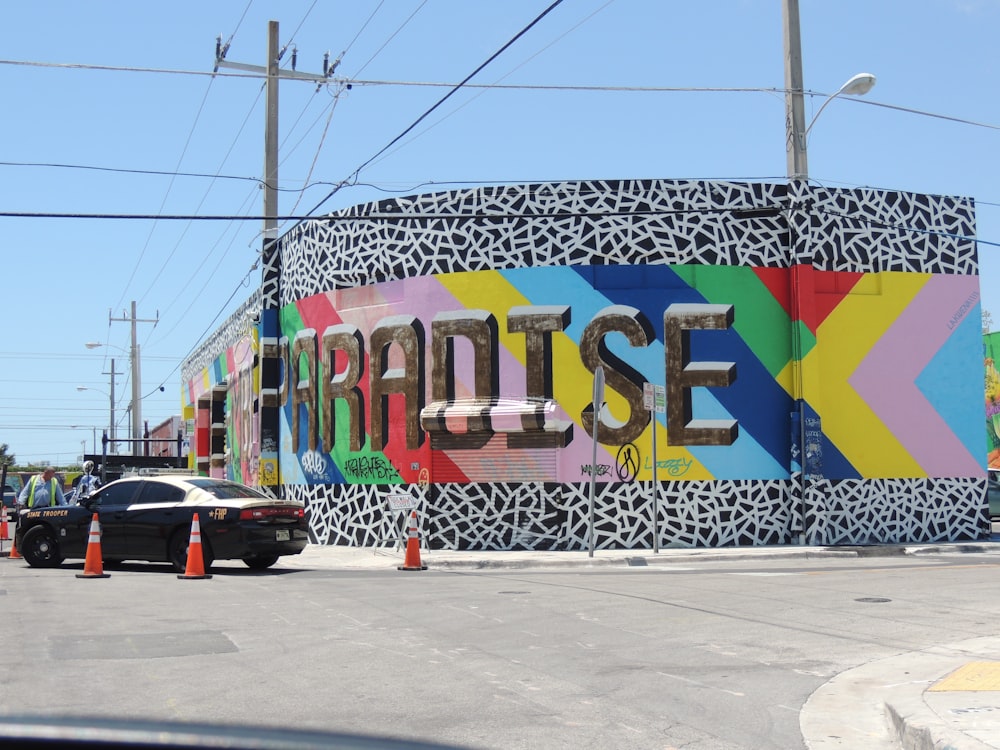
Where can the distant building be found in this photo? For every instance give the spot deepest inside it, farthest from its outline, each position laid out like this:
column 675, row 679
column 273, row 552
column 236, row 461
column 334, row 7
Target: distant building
column 163, row 438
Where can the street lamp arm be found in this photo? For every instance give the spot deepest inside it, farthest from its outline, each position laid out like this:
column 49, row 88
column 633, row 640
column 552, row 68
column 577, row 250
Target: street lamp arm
column 858, row 85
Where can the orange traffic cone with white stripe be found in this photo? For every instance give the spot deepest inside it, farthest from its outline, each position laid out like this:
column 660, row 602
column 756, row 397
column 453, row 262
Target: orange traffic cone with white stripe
column 412, row 559
column 4, row 530
column 14, row 554
column 93, row 564
column 195, row 567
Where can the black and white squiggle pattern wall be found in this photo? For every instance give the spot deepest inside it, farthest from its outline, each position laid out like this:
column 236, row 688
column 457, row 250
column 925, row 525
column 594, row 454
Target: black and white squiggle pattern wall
column 635, row 222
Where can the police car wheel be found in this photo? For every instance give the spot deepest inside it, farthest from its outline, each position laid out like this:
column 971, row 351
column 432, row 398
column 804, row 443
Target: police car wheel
column 260, row 562
column 177, row 551
column 41, row 550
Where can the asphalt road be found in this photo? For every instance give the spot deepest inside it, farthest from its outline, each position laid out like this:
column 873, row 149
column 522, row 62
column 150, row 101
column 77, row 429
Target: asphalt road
column 698, row 656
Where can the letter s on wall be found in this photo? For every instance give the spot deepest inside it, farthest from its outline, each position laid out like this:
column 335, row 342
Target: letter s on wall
column 619, row 376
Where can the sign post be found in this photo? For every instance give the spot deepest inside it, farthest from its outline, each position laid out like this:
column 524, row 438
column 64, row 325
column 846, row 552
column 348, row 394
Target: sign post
column 400, row 502
column 654, row 398
column 598, row 401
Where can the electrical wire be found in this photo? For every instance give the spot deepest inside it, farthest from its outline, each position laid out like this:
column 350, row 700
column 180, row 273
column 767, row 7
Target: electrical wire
column 152, row 229
column 442, row 100
column 204, row 197
column 390, row 37
column 483, row 90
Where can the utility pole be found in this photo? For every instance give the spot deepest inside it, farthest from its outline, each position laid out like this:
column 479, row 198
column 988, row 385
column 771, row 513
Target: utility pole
column 271, row 271
column 795, row 111
column 111, row 416
column 273, row 73
column 136, row 404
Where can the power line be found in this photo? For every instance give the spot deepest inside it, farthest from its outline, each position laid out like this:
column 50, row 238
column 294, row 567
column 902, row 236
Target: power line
column 349, row 83
column 443, row 99
column 487, row 217
column 391, row 36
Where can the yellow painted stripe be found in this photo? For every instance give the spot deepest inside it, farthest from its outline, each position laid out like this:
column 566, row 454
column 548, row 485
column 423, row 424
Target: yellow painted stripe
column 974, row 676
column 843, row 341
column 489, row 290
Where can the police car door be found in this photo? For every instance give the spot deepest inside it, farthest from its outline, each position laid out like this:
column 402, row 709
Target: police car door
column 153, row 517
column 110, row 503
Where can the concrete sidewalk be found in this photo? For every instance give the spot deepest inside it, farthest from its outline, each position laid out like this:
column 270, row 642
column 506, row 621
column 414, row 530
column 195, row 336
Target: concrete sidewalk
column 943, row 698
column 372, row 558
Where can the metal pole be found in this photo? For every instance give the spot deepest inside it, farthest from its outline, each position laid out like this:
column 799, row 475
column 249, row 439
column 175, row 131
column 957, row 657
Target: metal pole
column 111, row 425
column 656, row 499
column 795, row 113
column 271, row 140
column 136, row 389
column 598, row 400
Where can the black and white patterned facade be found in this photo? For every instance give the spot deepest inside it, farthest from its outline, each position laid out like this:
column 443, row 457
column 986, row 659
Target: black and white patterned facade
column 632, row 222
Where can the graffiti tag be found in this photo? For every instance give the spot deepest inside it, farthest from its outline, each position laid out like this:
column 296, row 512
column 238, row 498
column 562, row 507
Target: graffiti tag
column 600, row 470
column 675, row 467
column 627, row 462
column 314, row 464
column 369, row 468
column 961, row 312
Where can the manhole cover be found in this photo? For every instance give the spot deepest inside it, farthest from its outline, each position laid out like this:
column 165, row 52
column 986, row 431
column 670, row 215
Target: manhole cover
column 873, row 599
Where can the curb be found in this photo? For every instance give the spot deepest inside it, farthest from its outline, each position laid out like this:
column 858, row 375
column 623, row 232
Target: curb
column 517, row 560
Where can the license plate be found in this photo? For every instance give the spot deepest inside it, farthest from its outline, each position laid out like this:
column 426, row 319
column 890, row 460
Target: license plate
column 282, row 535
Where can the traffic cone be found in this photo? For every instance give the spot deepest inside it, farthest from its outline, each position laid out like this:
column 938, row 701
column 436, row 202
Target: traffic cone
column 412, row 559
column 93, row 564
column 195, row 567
column 4, row 531
column 14, row 554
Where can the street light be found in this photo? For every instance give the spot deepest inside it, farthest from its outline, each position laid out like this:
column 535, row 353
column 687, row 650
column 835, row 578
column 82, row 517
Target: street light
column 111, row 399
column 796, row 131
column 798, row 135
column 857, row 85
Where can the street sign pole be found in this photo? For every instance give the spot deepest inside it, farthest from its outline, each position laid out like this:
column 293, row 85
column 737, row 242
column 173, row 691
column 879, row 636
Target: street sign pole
column 654, row 398
column 598, row 400
column 656, row 498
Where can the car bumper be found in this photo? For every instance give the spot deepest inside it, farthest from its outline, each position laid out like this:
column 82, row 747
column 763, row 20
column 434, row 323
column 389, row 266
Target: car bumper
column 256, row 540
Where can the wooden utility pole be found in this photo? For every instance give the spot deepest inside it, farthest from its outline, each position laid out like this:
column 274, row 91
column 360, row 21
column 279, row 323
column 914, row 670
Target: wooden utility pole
column 136, row 405
column 269, row 474
column 795, row 111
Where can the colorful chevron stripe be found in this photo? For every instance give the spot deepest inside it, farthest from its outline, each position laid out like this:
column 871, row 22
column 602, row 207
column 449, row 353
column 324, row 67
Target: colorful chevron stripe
column 885, row 366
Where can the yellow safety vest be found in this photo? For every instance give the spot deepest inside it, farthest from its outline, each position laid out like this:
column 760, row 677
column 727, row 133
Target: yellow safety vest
column 52, row 492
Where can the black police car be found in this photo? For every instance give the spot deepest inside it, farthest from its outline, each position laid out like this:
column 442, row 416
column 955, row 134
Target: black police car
column 149, row 518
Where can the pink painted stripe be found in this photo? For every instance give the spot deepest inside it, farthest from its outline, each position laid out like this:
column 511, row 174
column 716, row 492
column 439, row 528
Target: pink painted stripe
column 886, row 378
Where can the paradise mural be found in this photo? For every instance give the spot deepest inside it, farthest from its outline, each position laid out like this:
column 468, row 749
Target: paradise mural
column 817, row 351
column 893, row 402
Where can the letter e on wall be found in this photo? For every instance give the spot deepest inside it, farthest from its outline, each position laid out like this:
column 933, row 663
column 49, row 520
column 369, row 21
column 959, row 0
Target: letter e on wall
column 682, row 374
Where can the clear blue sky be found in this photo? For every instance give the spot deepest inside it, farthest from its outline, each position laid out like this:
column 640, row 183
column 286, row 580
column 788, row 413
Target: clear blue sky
column 115, row 92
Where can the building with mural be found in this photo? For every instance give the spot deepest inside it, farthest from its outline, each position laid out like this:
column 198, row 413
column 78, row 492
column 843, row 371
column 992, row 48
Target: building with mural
column 781, row 364
column 991, row 361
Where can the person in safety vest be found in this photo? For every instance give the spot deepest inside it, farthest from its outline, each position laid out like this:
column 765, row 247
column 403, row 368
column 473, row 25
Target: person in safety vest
column 42, row 491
